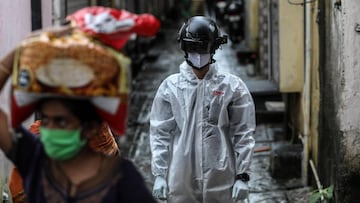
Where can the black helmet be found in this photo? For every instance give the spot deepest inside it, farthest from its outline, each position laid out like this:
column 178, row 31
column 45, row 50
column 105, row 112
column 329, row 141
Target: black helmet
column 200, row 34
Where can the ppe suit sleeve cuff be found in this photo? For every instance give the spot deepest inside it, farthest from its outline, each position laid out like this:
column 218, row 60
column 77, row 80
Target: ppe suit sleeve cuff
column 159, row 173
column 161, row 176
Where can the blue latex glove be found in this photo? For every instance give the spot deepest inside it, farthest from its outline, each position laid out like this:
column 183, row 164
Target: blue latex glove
column 160, row 188
column 240, row 190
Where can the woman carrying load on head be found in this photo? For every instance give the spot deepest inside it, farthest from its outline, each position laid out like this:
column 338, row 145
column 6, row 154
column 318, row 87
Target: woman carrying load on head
column 62, row 164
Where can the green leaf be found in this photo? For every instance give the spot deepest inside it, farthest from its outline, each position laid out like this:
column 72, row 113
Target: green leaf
column 328, row 192
column 314, row 198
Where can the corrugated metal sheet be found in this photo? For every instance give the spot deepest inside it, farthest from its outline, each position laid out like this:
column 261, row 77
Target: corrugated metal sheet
column 74, row 5
column 156, row 7
column 107, row 3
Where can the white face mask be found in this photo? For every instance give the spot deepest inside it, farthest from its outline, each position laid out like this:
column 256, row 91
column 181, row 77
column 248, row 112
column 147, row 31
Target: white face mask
column 199, row 60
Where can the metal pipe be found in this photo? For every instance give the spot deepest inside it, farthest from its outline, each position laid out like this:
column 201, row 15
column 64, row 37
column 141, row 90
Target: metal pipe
column 57, row 12
column 270, row 40
column 307, row 90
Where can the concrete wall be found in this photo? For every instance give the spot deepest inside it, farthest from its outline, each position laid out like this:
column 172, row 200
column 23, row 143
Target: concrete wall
column 339, row 141
column 291, row 44
column 13, row 18
column 350, row 109
column 47, row 13
column 15, row 23
column 252, row 24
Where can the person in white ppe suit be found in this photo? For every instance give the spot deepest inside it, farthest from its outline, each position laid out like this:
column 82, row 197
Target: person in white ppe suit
column 201, row 125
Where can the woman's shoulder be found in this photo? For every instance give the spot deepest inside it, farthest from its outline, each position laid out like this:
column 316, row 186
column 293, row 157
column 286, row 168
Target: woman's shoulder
column 132, row 186
column 24, row 142
column 128, row 168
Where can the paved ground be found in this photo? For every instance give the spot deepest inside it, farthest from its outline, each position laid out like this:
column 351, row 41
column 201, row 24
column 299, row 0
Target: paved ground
column 263, row 188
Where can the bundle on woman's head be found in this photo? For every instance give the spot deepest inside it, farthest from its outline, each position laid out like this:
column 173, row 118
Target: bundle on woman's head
column 85, row 63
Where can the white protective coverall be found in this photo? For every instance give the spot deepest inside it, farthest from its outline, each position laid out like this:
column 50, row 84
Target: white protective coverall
column 201, row 134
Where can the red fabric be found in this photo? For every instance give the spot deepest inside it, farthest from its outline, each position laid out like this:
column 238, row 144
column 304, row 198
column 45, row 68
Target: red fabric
column 20, row 113
column 119, row 128
column 144, row 24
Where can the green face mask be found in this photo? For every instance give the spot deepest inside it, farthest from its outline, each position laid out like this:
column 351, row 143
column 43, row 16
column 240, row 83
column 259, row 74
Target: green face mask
column 61, row 144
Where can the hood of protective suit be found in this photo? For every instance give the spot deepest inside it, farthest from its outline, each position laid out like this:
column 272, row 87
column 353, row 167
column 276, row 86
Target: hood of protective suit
column 188, row 73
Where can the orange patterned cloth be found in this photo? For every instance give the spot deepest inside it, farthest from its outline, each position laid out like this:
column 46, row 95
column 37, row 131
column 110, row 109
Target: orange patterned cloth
column 35, row 127
column 103, row 143
column 16, row 186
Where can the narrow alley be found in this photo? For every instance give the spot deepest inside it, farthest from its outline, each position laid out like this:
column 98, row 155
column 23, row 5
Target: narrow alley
column 298, row 58
column 269, row 135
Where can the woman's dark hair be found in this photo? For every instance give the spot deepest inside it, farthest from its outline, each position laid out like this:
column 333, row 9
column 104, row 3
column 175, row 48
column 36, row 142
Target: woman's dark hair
column 83, row 109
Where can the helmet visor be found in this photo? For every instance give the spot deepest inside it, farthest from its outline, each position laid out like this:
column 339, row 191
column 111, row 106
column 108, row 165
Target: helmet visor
column 193, row 46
